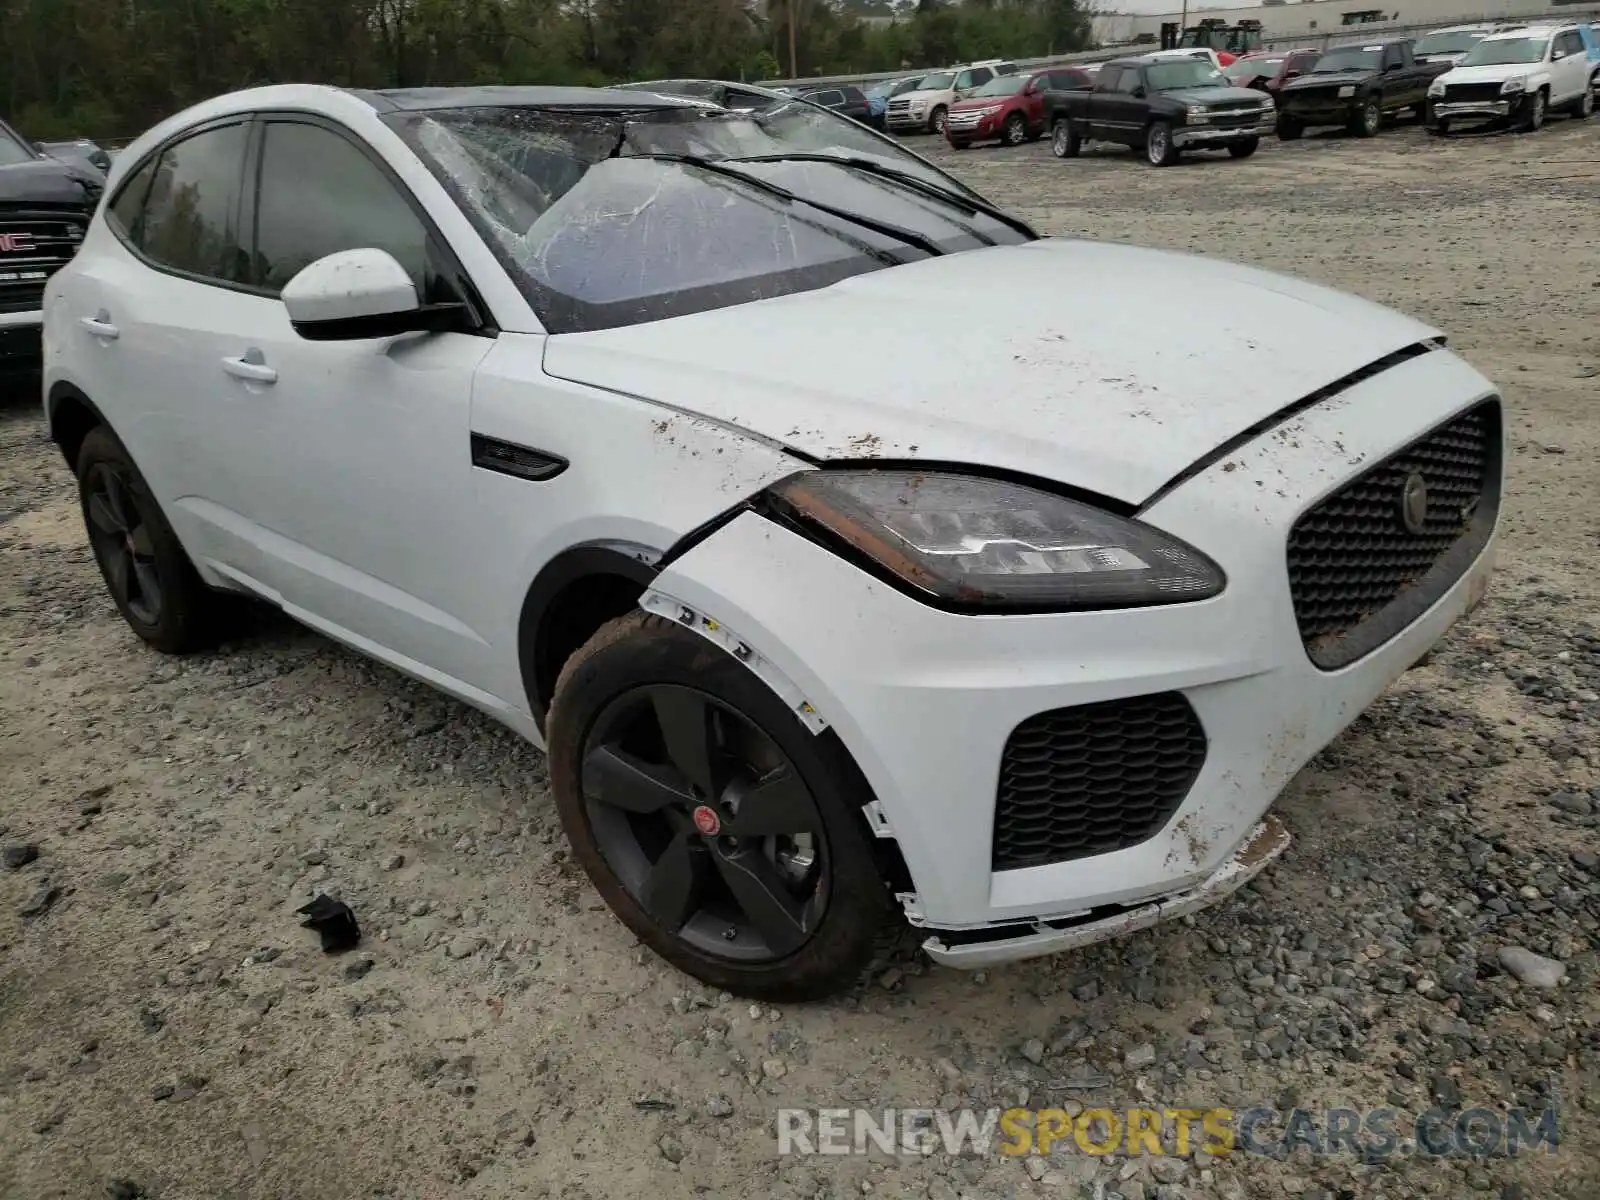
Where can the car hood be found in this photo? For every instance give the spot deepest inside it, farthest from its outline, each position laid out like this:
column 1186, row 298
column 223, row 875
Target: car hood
column 1493, row 73
column 47, row 181
column 974, row 102
column 1107, row 367
column 1213, row 95
column 936, row 93
column 1328, row 79
column 1450, row 56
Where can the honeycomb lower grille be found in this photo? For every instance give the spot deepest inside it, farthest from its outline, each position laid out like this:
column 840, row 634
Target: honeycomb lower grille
column 1362, row 568
column 1092, row 779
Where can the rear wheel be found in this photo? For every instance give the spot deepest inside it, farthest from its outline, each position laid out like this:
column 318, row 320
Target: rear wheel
column 150, row 578
column 1158, row 147
column 1064, row 139
column 1015, row 131
column 1245, row 148
column 1289, row 129
column 721, row 831
column 1583, row 106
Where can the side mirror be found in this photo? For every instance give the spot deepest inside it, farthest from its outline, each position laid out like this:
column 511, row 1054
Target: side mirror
column 1138, row 92
column 358, row 294
column 1557, row 55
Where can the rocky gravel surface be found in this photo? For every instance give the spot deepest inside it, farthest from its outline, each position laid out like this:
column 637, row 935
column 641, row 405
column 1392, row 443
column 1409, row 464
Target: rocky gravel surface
column 168, row 1029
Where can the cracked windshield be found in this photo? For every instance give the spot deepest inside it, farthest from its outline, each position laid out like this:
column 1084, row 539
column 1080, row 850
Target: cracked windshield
column 608, row 220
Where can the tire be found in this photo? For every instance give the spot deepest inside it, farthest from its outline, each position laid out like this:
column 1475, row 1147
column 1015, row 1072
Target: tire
column 1290, row 130
column 640, row 675
column 1440, row 127
column 1368, row 119
column 1583, row 107
column 154, row 585
column 936, row 120
column 954, row 145
column 1015, row 131
column 1533, row 113
column 1158, row 148
column 1064, row 139
column 1245, row 148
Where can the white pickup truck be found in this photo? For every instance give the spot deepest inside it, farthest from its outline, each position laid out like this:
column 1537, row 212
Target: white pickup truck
column 924, row 108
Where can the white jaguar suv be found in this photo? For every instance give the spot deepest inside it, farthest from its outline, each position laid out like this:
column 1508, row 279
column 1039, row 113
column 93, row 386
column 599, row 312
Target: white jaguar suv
column 601, row 411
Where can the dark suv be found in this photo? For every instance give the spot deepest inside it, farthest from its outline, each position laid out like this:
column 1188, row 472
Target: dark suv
column 847, row 101
column 45, row 205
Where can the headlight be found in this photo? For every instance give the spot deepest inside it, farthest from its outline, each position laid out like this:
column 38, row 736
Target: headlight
column 1513, row 85
column 990, row 111
column 1198, row 114
column 1347, row 91
column 1268, row 104
column 982, row 543
column 1436, row 88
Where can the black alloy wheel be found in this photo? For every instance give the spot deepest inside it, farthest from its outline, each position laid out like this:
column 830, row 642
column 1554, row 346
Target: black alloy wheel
column 722, row 830
column 706, row 823
column 121, row 538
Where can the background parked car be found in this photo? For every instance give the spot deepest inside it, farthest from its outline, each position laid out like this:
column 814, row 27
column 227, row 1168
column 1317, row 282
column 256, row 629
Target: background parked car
column 878, row 97
column 1010, row 108
column 847, row 101
column 1522, row 75
column 1356, row 86
column 81, row 151
column 926, row 106
column 1449, row 44
column 1269, row 70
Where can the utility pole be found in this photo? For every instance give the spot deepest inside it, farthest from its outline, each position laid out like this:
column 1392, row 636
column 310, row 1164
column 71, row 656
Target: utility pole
column 1183, row 21
column 791, row 5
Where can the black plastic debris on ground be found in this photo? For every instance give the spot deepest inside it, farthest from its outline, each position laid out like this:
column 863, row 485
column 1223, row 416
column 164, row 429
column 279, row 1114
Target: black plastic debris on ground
column 334, row 921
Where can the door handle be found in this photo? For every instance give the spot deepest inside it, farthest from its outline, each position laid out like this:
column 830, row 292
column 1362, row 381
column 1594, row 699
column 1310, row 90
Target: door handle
column 100, row 325
column 251, row 365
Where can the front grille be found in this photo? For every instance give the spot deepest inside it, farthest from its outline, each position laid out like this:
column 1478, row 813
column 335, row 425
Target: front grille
column 964, row 120
column 899, row 106
column 1249, row 106
column 1313, row 97
column 33, row 248
column 1236, row 120
column 1093, row 779
column 1358, row 574
column 1470, row 93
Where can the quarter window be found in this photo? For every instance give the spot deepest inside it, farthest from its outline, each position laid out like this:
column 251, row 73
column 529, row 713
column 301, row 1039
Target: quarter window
column 189, row 219
column 318, row 195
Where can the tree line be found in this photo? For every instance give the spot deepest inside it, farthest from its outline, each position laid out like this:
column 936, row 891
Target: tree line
column 111, row 68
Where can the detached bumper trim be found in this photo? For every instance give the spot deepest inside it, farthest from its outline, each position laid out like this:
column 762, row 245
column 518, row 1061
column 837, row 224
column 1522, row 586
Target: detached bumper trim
column 22, row 320
column 1266, row 842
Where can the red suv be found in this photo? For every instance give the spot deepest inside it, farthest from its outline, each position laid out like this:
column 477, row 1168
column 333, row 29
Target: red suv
column 1009, row 108
column 1269, row 70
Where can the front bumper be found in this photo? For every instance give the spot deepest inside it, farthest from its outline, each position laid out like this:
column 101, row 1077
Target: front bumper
column 1321, row 114
column 1485, row 109
column 925, row 700
column 906, row 120
column 1204, row 135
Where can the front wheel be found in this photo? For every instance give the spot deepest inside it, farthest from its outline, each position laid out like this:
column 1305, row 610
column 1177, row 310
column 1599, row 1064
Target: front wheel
column 937, row 119
column 1289, row 129
column 149, row 575
column 1158, row 147
column 1245, row 148
column 1533, row 113
column 1368, row 119
column 1439, row 126
column 1015, row 131
column 1583, row 106
column 720, row 830
column 1064, row 139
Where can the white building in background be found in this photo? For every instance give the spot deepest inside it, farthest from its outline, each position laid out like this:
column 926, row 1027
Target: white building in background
column 1322, row 19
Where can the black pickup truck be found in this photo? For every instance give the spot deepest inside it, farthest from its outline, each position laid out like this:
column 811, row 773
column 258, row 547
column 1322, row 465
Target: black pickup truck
column 1356, row 86
column 1161, row 106
column 45, row 205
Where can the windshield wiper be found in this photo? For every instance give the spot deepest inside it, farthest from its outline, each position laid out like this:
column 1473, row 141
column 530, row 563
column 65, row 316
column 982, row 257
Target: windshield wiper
column 898, row 232
column 970, row 205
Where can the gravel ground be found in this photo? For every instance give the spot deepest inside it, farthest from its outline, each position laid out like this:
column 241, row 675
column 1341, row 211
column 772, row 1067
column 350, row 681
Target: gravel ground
column 166, row 1026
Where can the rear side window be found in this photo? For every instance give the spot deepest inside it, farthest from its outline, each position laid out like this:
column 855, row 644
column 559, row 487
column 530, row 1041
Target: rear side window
column 189, row 219
column 318, row 194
